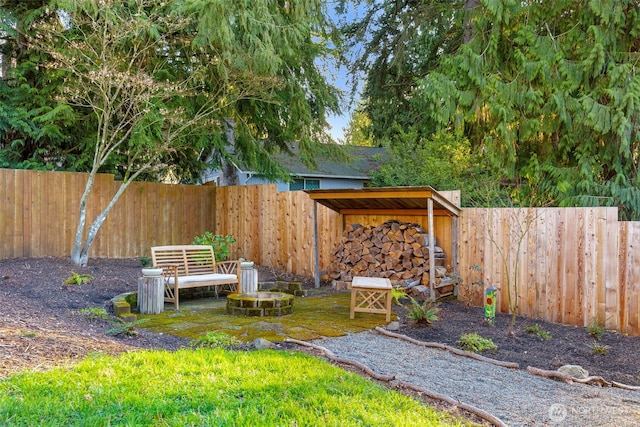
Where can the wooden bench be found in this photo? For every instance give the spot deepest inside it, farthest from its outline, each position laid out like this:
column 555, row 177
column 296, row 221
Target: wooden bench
column 190, row 266
column 370, row 295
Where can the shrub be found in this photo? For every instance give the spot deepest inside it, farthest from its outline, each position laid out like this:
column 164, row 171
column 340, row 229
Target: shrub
column 125, row 328
column 219, row 243
column 78, row 279
column 595, row 329
column 476, row 343
column 538, row 331
column 597, row 348
column 423, row 313
column 397, row 294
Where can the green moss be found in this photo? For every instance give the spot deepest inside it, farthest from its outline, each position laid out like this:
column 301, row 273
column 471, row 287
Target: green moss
column 314, row 317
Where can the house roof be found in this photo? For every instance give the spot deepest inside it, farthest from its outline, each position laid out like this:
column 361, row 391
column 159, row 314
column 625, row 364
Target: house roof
column 361, row 160
column 405, row 200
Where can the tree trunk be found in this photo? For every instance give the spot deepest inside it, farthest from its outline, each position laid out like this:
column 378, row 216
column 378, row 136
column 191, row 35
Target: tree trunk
column 469, row 12
column 76, row 252
column 80, row 252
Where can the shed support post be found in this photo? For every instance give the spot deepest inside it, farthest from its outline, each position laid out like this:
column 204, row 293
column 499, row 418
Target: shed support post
column 316, row 250
column 454, row 255
column 432, row 260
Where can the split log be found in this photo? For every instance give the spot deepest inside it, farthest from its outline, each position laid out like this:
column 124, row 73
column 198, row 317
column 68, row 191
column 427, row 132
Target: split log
column 450, row 349
column 569, row 379
column 451, row 401
column 396, row 250
column 388, row 378
column 331, row 356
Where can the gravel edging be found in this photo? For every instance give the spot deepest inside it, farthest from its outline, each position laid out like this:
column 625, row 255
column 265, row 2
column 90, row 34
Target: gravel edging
column 515, row 396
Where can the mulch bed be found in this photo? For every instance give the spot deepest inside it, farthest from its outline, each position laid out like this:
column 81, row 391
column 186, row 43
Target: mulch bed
column 40, row 324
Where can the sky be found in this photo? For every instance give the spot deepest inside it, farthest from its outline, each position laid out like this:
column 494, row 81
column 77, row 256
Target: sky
column 340, row 78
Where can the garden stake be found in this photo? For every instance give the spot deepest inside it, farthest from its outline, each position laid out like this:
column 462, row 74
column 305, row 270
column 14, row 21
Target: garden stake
column 490, row 304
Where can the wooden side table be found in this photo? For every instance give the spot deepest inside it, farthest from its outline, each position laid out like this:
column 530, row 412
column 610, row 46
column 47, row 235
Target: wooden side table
column 370, row 295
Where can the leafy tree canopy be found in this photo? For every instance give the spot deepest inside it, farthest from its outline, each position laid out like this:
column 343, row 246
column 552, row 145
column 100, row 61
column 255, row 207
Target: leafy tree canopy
column 256, row 58
column 547, row 93
column 393, row 43
column 154, row 84
column 358, row 131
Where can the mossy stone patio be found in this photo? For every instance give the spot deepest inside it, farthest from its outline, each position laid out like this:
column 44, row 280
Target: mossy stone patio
column 314, row 317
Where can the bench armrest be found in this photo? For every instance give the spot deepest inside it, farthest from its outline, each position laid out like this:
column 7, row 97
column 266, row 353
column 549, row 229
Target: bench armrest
column 169, row 270
column 228, row 267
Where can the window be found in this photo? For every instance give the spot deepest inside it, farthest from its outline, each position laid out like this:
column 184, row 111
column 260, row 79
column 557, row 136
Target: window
column 304, row 184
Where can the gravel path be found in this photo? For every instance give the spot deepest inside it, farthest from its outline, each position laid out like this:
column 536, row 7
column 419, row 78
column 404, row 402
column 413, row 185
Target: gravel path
column 515, row 396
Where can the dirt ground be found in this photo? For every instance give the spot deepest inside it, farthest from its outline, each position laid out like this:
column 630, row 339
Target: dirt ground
column 41, row 327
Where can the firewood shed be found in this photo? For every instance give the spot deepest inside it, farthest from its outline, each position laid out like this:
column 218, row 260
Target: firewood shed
column 436, row 212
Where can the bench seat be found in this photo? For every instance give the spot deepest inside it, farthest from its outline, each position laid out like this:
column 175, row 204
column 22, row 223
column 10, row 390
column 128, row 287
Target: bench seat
column 214, row 277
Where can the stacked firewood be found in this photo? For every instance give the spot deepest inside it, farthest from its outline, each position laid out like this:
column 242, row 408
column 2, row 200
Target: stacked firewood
column 396, row 250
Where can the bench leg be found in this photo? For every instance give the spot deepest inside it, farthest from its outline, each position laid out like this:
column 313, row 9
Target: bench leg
column 388, row 306
column 352, row 309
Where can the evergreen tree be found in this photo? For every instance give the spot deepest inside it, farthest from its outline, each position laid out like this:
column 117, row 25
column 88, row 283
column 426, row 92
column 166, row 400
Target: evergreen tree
column 546, row 92
column 395, row 42
column 34, row 130
column 160, row 81
column 550, row 93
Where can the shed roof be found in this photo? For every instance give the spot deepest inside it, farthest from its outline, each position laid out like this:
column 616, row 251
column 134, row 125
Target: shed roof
column 401, row 200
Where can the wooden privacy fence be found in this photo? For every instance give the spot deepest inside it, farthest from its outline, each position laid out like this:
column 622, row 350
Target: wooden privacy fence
column 39, row 214
column 274, row 228
column 575, row 264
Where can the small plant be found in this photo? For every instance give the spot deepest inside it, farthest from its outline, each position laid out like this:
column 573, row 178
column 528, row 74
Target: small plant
column 397, row 294
column 538, row 331
column 94, row 313
column 423, row 313
column 476, row 343
column 78, row 279
column 145, row 261
column 28, row 334
column 215, row 339
column 125, row 328
column 597, row 348
column 220, row 244
column 595, row 329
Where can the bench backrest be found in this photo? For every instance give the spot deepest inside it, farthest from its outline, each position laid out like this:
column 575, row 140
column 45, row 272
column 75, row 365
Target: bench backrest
column 190, row 259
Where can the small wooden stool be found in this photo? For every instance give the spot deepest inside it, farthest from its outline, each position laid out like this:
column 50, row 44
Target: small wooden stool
column 371, row 295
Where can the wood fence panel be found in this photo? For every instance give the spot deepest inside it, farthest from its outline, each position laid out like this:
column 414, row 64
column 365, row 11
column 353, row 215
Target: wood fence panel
column 268, row 227
column 591, row 267
column 577, row 264
column 557, row 260
column 580, row 302
column 329, row 233
column 612, row 310
column 40, row 213
column 631, row 265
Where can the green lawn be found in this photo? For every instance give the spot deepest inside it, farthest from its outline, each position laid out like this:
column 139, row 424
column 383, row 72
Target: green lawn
column 206, row 387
